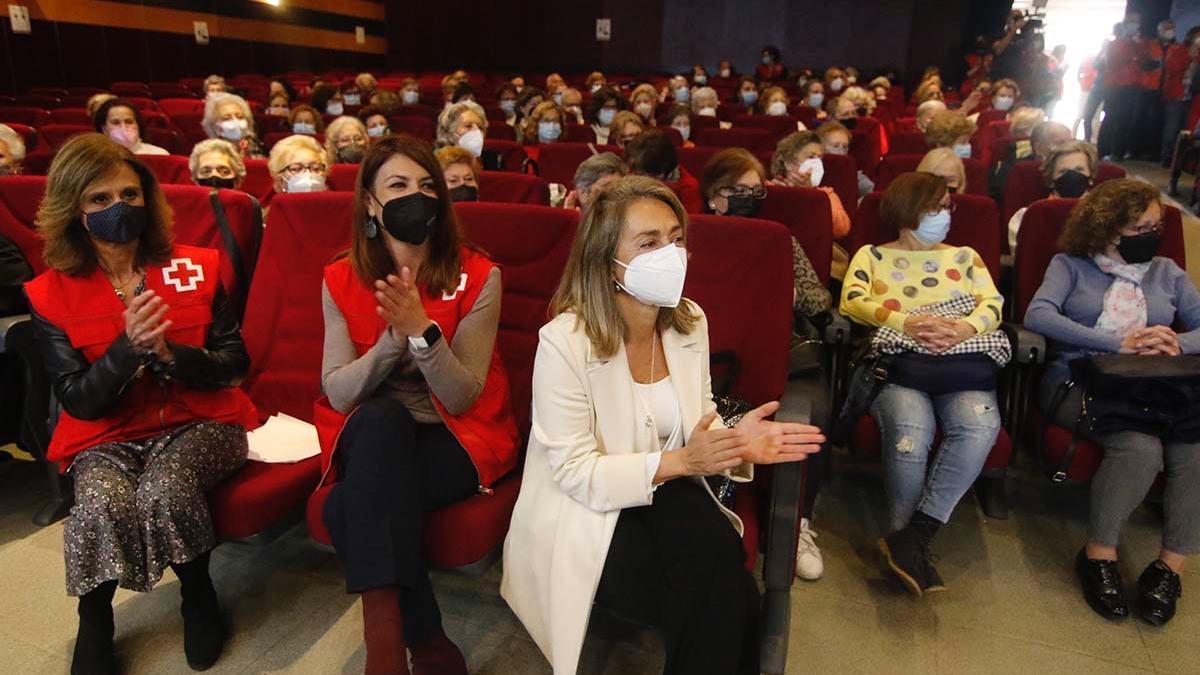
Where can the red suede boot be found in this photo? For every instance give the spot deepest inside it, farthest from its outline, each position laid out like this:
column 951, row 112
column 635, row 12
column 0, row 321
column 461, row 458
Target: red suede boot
column 383, row 631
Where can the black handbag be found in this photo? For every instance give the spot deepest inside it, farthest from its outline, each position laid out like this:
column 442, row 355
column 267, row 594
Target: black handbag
column 1154, row 395
column 724, row 368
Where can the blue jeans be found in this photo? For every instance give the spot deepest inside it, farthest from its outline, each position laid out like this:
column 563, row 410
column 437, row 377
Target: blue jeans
column 1174, row 117
column 907, row 419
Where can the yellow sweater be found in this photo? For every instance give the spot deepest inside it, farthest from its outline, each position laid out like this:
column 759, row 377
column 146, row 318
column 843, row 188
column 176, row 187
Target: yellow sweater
column 883, row 285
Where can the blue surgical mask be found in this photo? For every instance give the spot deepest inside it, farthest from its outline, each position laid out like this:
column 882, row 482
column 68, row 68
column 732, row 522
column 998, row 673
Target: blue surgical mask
column 606, row 116
column 304, row 128
column 963, row 150
column 815, row 100
column 682, row 94
column 933, row 227
column 548, row 132
column 1002, row 102
column 410, row 97
column 376, row 132
column 749, row 97
column 334, row 108
column 508, row 105
column 352, row 99
column 700, row 79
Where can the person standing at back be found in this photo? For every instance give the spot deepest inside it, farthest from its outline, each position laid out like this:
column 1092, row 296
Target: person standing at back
column 1123, row 67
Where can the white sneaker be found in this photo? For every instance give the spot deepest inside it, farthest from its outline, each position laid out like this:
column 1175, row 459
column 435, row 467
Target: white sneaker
column 809, row 565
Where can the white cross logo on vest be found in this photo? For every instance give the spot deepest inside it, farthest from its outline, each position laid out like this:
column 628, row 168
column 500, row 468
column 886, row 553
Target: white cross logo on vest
column 183, row 274
column 462, row 286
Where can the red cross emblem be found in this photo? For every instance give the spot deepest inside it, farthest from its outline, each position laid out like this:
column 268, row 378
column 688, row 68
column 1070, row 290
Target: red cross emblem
column 462, row 286
column 183, row 274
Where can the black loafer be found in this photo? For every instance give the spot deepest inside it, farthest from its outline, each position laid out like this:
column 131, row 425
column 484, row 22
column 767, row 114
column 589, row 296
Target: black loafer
column 1101, row 583
column 905, row 559
column 1159, row 589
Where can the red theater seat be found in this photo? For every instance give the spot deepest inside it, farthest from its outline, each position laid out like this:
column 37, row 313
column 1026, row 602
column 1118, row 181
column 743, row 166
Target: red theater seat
column 342, row 177
column 841, row 174
column 274, row 137
column 776, row 125
column 76, row 116
column 27, row 133
column 34, row 117
column 866, row 144
column 807, row 215
column 19, row 199
column 168, row 139
column 499, row 130
column 1026, row 185
column 181, row 106
column 420, row 127
column 258, row 182
column 694, row 159
column 512, row 155
column 557, row 162
column 893, row 165
column 907, row 143
column 974, row 223
column 513, row 188
column 169, row 169
column 56, row 135
column 754, row 140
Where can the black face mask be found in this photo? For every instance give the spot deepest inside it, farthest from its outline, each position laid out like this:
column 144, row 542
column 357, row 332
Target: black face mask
column 464, row 193
column 1139, row 248
column 351, row 154
column 119, row 223
column 743, row 206
column 217, row 183
column 410, row 218
column 1072, row 184
column 849, row 122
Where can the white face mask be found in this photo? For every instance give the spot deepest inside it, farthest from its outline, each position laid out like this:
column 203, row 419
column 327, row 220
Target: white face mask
column 707, row 111
column 656, row 278
column 724, row 72
column 305, row 181
column 409, row 96
column 596, row 88
column 376, row 132
column 232, row 130
column 933, row 227
column 684, row 131
column 644, row 109
column 352, row 99
column 606, row 116
column 815, row 169
column 1002, row 102
column 777, row 108
column 304, row 128
column 472, row 142
column 837, row 84
column 836, row 150
column 334, row 108
column 963, row 150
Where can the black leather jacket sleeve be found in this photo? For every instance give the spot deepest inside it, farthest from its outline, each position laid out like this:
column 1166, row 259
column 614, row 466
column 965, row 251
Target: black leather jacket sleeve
column 14, row 271
column 222, row 361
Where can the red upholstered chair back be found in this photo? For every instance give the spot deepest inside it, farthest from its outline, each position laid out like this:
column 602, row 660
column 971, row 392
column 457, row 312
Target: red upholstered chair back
column 511, row 153
column 181, row 106
column 342, row 177
column 1026, row 185
column 196, row 224
column 500, row 130
column 557, row 162
column 974, row 223
column 34, row 117
column 866, row 144
column 284, row 326
column 513, row 188
column 269, row 140
column 19, row 199
column 56, row 135
column 169, row 169
column 695, row 159
column 907, row 143
column 420, row 127
column 806, row 214
column 841, row 174
column 45, row 101
column 76, row 116
column 1037, row 243
column 776, row 125
column 531, row 244
column 258, row 182
column 893, row 165
column 732, row 260
column 754, row 140
column 168, row 139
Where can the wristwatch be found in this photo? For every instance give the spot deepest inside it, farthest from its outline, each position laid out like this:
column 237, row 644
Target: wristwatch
column 427, row 339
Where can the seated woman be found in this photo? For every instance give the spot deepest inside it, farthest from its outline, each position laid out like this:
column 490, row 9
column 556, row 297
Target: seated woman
column 297, row 164
column 929, row 90
column 595, row 81
column 461, row 170
column 411, row 317
column 774, row 101
column 376, row 121
column 216, row 164
column 305, row 120
column 120, row 120
column 543, row 126
column 280, row 87
column 367, row 86
column 410, row 92
column 797, row 163
column 925, row 113
column 678, row 90
column 1068, row 170
column 835, row 80
column 814, row 98
column 124, row 333
column 705, row 101
column 613, row 509
column 327, row 98
column 946, row 164
column 12, row 151
column 345, row 141
column 527, row 100
column 95, row 101
column 278, row 105
column 653, row 154
column 463, row 124
column 699, row 75
column 950, row 129
column 606, row 103
column 626, row 126
column 771, row 69
column 643, row 101
column 506, row 101
column 1108, row 292
column 594, row 174
column 898, row 285
column 746, row 94
column 213, row 85
column 572, row 105
column 679, row 118
column 835, row 139
column 384, row 99
column 228, row 116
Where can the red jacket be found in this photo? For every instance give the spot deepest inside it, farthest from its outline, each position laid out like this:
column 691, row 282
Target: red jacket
column 487, row 430
column 1178, row 60
column 90, row 314
column 1123, row 63
column 687, row 188
column 1151, row 79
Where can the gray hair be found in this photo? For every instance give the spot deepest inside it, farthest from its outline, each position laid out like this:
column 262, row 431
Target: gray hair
column 703, row 96
column 596, row 167
column 16, row 144
column 448, row 122
column 217, row 145
column 210, row 111
column 335, row 129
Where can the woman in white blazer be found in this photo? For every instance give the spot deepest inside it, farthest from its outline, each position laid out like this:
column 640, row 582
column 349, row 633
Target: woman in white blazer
column 613, row 505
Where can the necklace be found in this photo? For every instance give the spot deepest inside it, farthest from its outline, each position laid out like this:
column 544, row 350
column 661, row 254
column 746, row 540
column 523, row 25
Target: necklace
column 653, row 344
column 120, row 289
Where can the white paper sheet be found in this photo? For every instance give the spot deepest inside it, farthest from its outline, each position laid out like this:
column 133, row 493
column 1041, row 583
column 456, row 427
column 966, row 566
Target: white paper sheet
column 283, row 440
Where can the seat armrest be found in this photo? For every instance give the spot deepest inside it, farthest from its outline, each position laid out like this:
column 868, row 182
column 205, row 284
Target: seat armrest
column 1029, row 348
column 6, row 324
column 837, row 330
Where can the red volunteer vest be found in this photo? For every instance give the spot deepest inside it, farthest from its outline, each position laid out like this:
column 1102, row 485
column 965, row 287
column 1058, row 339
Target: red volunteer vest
column 91, row 315
column 487, row 430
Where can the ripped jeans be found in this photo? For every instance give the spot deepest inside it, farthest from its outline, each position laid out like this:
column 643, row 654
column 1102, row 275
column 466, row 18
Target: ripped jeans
column 917, row 479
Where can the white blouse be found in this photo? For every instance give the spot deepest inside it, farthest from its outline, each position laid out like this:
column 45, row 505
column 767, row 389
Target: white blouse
column 658, row 406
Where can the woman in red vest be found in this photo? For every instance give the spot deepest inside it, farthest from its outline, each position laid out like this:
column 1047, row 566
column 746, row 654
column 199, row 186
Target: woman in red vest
column 411, row 316
column 145, row 355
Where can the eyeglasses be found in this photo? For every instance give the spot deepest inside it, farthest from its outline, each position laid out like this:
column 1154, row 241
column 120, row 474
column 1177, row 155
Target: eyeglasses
column 1147, row 229
column 314, row 167
column 743, row 191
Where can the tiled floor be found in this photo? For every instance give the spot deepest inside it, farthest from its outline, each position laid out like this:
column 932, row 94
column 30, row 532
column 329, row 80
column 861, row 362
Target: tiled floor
column 1012, row 604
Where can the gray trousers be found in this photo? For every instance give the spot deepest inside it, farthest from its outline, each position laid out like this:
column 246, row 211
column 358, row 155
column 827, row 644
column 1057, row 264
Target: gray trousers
column 1132, row 462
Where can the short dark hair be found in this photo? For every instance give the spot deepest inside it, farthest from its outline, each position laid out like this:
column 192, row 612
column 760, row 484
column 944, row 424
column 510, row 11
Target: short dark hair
column 1098, row 218
column 367, row 112
column 653, row 154
column 506, row 87
column 602, row 96
column 910, row 196
column 725, row 168
column 321, row 95
column 101, row 116
column 462, row 91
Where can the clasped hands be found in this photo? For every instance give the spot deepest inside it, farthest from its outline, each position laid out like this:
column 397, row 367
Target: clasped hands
column 400, row 304
column 1150, row 341
column 145, row 327
column 937, row 333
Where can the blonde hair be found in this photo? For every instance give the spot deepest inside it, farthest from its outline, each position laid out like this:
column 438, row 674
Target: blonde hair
column 213, row 104
column 930, row 90
column 16, row 146
column 211, row 80
column 1069, row 148
column 588, row 289
column 861, row 98
column 452, row 154
column 318, row 120
column 282, row 153
column 939, row 156
column 217, row 145
column 787, row 149
column 764, row 99
column 946, row 127
column 529, row 125
column 80, row 162
column 1022, row 121
column 335, row 129
column 97, row 100
column 447, row 125
column 647, row 89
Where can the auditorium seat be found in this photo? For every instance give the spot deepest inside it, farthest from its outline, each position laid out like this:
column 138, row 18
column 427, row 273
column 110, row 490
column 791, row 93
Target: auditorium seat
column 181, row 106
column 46, row 102
column 420, row 127
column 907, row 143
column 500, row 130
column 269, row 140
column 895, row 164
column 1026, row 185
column 807, row 215
column 866, row 144
column 513, row 188
column 754, row 140
column 258, row 182
column 34, row 117
column 841, row 174
column 169, row 169
column 161, row 90
column 130, row 89
column 77, row 116
column 57, row 92
column 143, row 103
column 56, row 135
column 511, row 156
column 19, row 200
column 695, row 159
column 188, row 122
column 27, row 133
column 168, row 139
column 557, row 162
column 778, row 126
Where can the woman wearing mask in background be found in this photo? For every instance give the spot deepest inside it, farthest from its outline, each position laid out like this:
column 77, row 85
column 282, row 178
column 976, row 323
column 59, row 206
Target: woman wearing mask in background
column 835, row 139
column 948, row 166
column 797, row 163
column 705, row 101
column 950, row 129
column 774, row 101
column 529, row 98
column 1109, row 292
column 572, row 105
column 228, row 117
column 278, row 106
column 297, row 164
column 699, row 75
column 627, row 125
column 595, row 81
column 327, row 98
column 95, row 101
column 376, row 121
column 771, row 67
column 725, row 69
column 904, row 285
column 464, row 125
column 216, row 164
column 410, row 92
column 1068, row 170
column 120, row 120
column 679, row 118
column 606, row 103
column 678, row 90
column 814, row 98
column 835, row 81
column 544, row 125
column 746, row 95
column 305, row 120
column 506, row 101
column 613, row 512
column 643, row 102
column 461, row 170
column 213, row 85
column 345, row 141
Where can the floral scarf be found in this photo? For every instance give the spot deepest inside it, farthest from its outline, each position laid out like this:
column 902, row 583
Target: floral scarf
column 1124, row 303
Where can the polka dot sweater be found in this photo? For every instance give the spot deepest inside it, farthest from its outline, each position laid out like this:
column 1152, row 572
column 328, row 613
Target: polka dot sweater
column 884, row 284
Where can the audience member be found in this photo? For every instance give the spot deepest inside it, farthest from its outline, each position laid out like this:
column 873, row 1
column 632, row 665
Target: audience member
column 327, row 99
column 544, row 125
column 463, row 124
column 946, row 164
column 12, row 151
column 774, row 101
column 461, row 170
column 626, row 126
column 606, row 103
column 217, row 164
column 835, row 139
column 771, row 69
column 305, row 120
column 925, row 113
column 679, row 118
column 652, row 154
column 747, row 94
column 797, row 163
column 643, row 101
column 297, row 164
column 375, row 119
column 346, row 141
column 596, row 173
column 228, row 116
column 950, row 129
column 1068, row 170
column 121, row 121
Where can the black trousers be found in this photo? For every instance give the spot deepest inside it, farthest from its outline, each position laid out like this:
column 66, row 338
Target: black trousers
column 393, row 471
column 1148, row 125
column 1117, row 129
column 677, row 565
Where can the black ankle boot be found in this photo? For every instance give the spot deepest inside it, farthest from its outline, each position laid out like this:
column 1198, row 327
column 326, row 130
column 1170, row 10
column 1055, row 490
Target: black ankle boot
column 94, row 653
column 203, row 627
column 1159, row 589
column 1101, row 583
column 906, row 553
